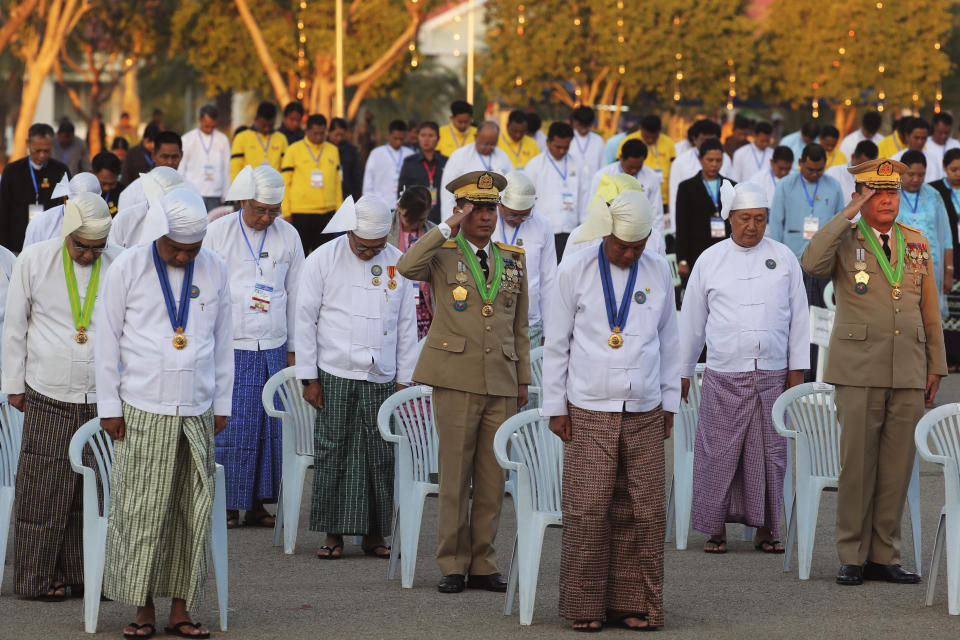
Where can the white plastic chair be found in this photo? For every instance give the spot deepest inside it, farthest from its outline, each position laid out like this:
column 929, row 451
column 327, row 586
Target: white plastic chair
column 95, row 521
column 812, row 414
column 297, row 418
column 11, row 431
column 821, row 326
column 536, row 455
column 406, row 420
column 938, row 440
column 680, row 500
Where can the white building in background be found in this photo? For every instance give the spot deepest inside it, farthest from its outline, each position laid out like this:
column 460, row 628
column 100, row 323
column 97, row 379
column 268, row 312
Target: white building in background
column 443, row 34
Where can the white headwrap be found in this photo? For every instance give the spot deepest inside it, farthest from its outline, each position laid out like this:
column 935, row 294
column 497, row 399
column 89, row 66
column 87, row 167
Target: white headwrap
column 369, row 218
column 84, row 182
column 179, row 215
column 86, row 215
column 263, row 184
column 520, row 193
column 628, row 217
column 745, row 195
column 159, row 182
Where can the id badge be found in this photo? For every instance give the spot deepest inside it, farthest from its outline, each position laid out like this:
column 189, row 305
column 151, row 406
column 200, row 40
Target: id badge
column 316, row 179
column 208, row 173
column 717, row 229
column 433, row 196
column 260, row 300
column 415, row 286
column 34, row 210
column 567, row 201
column 811, row 224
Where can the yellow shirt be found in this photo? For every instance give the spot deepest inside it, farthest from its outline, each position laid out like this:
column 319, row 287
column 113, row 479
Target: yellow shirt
column 251, row 148
column 519, row 153
column 835, row 158
column 312, row 178
column 451, row 139
column 891, row 145
column 659, row 158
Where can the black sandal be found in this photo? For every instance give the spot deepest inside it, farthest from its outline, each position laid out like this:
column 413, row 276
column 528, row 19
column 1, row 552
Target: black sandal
column 372, row 551
column 716, row 542
column 768, row 546
column 587, row 628
column 622, row 622
column 54, row 597
column 134, row 636
column 177, row 630
column 257, row 520
column 330, row 556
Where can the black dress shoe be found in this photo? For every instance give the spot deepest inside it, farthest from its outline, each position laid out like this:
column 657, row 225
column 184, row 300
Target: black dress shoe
column 889, row 573
column 452, row 583
column 850, row 575
column 492, row 582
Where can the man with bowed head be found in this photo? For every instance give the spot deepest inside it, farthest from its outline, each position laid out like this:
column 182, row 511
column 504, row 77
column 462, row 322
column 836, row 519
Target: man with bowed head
column 744, row 299
column 611, row 388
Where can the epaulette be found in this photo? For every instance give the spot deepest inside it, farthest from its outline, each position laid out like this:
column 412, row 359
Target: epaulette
column 449, row 244
column 503, row 246
column 910, row 228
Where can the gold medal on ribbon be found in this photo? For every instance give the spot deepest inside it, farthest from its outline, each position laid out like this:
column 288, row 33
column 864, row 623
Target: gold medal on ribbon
column 392, row 284
column 860, row 265
column 459, row 298
column 896, row 293
column 461, row 277
column 179, row 340
column 486, row 310
column 81, row 337
column 615, row 340
column 862, row 276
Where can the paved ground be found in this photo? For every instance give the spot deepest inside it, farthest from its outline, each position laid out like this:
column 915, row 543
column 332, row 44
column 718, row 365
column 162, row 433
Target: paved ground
column 743, row 594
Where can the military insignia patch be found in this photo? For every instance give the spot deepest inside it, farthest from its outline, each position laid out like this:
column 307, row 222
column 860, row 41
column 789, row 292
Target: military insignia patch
column 770, row 263
column 194, row 291
column 860, row 287
column 885, row 169
column 640, row 297
column 485, row 181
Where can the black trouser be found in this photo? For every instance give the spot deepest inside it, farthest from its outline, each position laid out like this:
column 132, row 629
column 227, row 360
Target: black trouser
column 310, row 227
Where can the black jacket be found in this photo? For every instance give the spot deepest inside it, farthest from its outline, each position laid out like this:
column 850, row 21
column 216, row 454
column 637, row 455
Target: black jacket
column 138, row 161
column 947, row 194
column 352, row 169
column 413, row 172
column 694, row 209
column 17, row 194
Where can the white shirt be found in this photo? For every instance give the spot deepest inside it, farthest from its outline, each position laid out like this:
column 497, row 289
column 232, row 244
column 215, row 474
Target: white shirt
column 206, row 162
column 382, row 173
column 535, row 237
column 934, row 158
column 281, row 261
column 935, row 153
column 587, row 151
column 748, row 160
column 558, row 190
column 750, row 306
column 7, row 259
column 849, row 144
column 136, row 360
column 39, row 346
column 464, row 160
column 683, row 168
column 768, row 181
column 131, row 211
column 845, row 178
column 541, row 139
column 350, row 327
column 44, row 226
column 650, row 180
column 682, row 146
column 578, row 364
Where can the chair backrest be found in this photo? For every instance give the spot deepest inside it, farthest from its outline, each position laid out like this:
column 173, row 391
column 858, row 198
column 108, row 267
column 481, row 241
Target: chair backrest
column 938, row 440
column 536, row 366
column 298, row 416
column 808, row 413
column 92, row 438
column 408, row 414
column 674, row 268
column 11, row 432
column 821, row 326
column 828, row 299
column 686, row 424
column 536, row 454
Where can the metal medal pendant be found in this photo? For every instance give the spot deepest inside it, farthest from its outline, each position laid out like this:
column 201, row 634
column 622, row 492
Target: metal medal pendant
column 392, row 284
column 896, row 293
column 486, row 310
column 615, row 340
column 179, row 340
column 860, row 265
column 81, row 337
column 461, row 277
column 862, row 276
column 376, row 282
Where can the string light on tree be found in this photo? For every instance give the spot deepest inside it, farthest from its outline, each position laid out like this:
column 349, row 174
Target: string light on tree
column 414, row 60
column 621, row 68
column 732, row 92
column 301, row 50
column 679, row 60
column 456, row 37
column 815, row 104
column 521, row 19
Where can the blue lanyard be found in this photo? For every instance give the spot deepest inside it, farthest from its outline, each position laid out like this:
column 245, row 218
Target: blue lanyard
column 206, row 148
column 913, row 207
column 562, row 174
column 256, row 256
column 583, row 149
column 486, row 165
column 33, row 177
column 503, row 231
column 398, row 161
column 616, row 319
column 265, row 147
column 316, row 158
column 810, row 201
column 756, row 158
column 713, row 196
column 178, row 316
column 146, row 156
column 953, row 195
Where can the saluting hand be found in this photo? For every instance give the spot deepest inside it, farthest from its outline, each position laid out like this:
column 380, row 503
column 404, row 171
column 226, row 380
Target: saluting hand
column 116, row 428
column 561, row 426
column 859, row 199
column 458, row 215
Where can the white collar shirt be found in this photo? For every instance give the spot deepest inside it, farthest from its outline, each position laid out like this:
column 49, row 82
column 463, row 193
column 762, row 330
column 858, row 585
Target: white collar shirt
column 39, row 345
column 579, row 366
column 7, row 260
column 206, row 162
column 651, row 181
column 935, row 153
column 382, row 173
column 464, row 160
column 588, row 152
column 683, row 168
column 131, row 211
column 281, row 259
column 350, row 327
column 849, row 144
column 748, row 160
column 44, row 226
column 557, row 183
column 845, row 178
column 749, row 306
column 535, row 237
column 765, row 179
column 136, row 360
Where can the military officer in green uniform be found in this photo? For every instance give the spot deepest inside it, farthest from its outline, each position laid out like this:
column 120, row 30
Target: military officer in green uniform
column 477, row 359
column 886, row 360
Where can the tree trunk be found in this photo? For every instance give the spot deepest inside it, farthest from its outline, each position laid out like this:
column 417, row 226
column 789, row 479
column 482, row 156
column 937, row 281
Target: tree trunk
column 844, row 118
column 28, row 106
column 15, row 17
column 266, row 60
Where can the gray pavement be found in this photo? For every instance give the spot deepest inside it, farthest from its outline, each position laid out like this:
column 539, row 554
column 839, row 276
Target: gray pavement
column 743, row 594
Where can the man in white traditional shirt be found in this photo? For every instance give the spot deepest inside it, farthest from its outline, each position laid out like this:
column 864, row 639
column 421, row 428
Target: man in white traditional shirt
column 781, row 162
column 264, row 257
column 382, row 173
column 939, row 142
column 611, row 388
column 128, row 224
column 46, row 225
column 688, row 164
column 356, row 344
column 48, row 373
column 864, row 151
column 632, row 162
column 206, row 158
column 869, row 130
column 480, row 155
column 7, row 259
column 164, row 380
column 519, row 225
column 167, row 152
column 586, row 149
column 746, row 301
column 754, row 156
column 557, row 177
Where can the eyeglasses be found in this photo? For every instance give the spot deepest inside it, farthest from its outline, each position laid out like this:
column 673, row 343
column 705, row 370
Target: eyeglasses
column 263, row 211
column 96, row 249
column 365, row 248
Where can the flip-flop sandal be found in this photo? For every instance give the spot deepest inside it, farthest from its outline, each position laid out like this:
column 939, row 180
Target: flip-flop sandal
column 233, row 523
column 768, row 546
column 140, row 636
column 587, row 628
column 177, row 630
column 54, row 597
column 372, row 551
column 258, row 521
column 622, row 622
column 331, row 550
column 716, row 542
